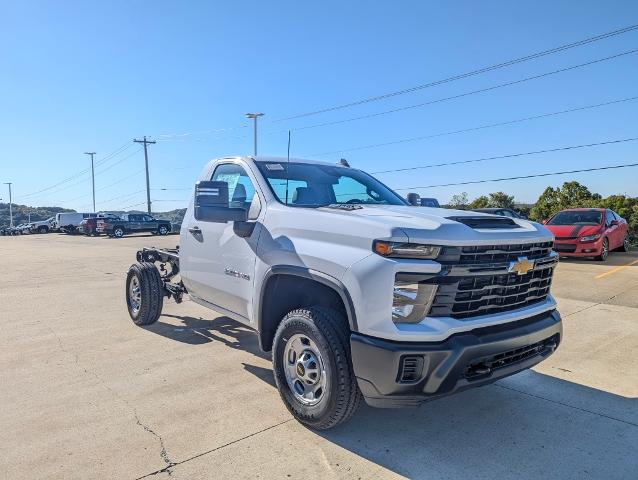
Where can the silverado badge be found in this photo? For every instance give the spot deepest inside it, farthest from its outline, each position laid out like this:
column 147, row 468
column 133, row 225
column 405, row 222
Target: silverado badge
column 522, row 266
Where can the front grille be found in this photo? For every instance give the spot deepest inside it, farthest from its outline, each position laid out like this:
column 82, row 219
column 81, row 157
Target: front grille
column 481, row 283
column 566, row 238
column 493, row 253
column 485, row 366
column 565, row 247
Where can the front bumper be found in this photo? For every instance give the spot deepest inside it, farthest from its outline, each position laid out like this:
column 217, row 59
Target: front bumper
column 576, row 248
column 396, row 374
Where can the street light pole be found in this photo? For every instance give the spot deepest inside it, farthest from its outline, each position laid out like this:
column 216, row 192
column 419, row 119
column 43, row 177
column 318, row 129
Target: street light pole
column 10, row 208
column 254, row 116
column 92, row 176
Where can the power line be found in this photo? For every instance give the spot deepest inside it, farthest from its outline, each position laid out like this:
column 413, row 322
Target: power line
column 466, row 94
column 80, row 173
column 566, row 172
column 465, row 75
column 471, row 129
column 511, row 155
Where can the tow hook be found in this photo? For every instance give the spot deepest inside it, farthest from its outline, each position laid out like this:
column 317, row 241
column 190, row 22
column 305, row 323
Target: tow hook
column 479, row 369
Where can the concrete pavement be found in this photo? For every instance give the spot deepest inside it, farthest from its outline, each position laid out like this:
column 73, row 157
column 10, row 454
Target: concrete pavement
column 87, row 394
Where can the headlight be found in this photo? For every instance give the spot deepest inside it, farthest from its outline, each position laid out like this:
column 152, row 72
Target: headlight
column 411, row 299
column 405, row 250
column 590, row 238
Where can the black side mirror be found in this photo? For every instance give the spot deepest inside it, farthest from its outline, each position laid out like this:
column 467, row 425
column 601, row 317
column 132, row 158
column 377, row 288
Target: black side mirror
column 211, row 204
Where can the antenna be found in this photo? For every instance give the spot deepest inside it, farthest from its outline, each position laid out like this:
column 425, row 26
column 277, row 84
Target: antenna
column 288, row 168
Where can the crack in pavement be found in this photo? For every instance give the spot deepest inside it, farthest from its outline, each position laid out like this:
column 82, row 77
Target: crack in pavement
column 232, row 442
column 138, row 421
column 567, row 405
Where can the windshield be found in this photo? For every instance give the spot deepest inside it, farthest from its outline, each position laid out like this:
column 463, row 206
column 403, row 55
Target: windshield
column 576, row 218
column 315, row 185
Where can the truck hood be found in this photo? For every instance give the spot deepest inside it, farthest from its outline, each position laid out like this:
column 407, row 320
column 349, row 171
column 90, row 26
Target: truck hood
column 446, row 226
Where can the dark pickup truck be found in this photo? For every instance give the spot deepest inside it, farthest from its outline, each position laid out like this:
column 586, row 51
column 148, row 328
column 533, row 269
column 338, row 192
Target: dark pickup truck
column 132, row 223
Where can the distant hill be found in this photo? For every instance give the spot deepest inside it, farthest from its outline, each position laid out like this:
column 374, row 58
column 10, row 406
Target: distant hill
column 21, row 213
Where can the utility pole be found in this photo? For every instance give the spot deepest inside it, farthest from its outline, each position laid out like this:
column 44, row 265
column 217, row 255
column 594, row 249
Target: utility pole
column 10, row 208
column 148, row 188
column 254, row 116
column 92, row 176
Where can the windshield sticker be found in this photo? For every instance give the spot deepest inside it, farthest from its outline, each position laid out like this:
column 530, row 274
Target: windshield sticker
column 274, row 166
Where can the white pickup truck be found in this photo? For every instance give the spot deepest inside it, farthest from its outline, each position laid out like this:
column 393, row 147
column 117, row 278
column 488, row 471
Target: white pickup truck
column 357, row 294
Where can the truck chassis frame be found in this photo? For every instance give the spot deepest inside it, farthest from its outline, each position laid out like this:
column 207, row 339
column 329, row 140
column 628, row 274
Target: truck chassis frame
column 164, row 257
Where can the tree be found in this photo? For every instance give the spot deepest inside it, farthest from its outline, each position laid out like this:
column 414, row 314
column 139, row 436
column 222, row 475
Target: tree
column 459, row 201
column 480, row 202
column 501, row 200
column 570, row 195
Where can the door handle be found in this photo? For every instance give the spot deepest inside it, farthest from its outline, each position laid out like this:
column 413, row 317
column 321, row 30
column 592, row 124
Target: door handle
column 195, row 230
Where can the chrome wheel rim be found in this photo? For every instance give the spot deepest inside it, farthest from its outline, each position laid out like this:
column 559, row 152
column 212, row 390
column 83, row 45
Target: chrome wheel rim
column 304, row 369
column 162, row 230
column 604, row 249
column 135, row 295
column 626, row 243
column 118, row 232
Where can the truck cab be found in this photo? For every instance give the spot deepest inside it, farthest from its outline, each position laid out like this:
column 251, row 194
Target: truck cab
column 358, row 294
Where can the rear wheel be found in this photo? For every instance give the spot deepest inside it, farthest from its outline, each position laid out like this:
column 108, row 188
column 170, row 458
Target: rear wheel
column 162, row 230
column 625, row 244
column 144, row 293
column 604, row 251
column 313, row 368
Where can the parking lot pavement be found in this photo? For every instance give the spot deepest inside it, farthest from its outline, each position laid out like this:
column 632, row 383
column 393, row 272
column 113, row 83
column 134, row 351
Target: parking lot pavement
column 87, row 394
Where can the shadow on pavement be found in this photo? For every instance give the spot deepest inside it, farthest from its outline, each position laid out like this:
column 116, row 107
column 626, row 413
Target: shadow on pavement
column 530, row 425
column 197, row 331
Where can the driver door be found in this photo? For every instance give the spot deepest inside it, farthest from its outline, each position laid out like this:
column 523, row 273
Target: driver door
column 219, row 267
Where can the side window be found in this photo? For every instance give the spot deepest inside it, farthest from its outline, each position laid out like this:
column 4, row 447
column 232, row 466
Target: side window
column 240, row 189
column 147, row 218
column 609, row 216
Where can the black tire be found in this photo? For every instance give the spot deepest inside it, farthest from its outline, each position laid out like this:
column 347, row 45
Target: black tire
column 118, row 231
column 163, row 230
column 330, row 333
column 151, row 293
column 43, row 229
column 625, row 245
column 604, row 253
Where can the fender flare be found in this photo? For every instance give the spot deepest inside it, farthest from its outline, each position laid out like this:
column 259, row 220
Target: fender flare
column 310, row 274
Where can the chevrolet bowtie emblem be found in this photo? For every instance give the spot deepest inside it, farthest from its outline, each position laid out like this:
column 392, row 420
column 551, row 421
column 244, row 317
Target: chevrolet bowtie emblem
column 522, row 266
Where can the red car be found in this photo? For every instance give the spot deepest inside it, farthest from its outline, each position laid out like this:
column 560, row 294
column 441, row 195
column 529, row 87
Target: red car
column 588, row 232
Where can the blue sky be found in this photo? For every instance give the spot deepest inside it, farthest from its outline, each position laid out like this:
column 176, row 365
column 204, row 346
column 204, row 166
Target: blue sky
column 89, row 76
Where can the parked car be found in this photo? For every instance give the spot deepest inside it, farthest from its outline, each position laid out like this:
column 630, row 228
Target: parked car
column 133, row 223
column 416, row 200
column 69, row 222
column 359, row 295
column 43, row 226
column 588, row 232
column 504, row 212
column 88, row 226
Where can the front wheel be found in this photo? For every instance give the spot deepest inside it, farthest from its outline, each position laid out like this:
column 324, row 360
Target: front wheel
column 313, row 368
column 604, row 251
column 144, row 293
column 118, row 232
column 162, row 230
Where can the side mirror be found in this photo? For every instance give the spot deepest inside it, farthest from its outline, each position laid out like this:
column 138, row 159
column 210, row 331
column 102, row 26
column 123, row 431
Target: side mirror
column 414, row 199
column 544, row 222
column 614, row 222
column 211, row 204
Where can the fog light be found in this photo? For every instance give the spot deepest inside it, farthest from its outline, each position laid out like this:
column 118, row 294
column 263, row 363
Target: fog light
column 411, row 300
